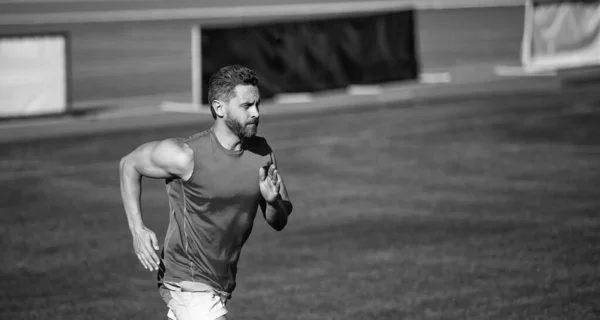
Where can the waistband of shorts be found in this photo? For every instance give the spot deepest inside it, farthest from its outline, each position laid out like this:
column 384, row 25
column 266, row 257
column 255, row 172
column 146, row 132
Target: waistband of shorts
column 190, row 286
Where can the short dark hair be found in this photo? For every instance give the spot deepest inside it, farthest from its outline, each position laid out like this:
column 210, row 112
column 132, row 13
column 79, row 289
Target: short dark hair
column 221, row 85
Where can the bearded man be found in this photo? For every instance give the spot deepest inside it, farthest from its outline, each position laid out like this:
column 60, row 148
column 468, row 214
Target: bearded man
column 215, row 180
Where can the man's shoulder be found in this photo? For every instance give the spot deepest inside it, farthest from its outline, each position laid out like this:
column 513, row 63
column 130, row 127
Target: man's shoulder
column 202, row 135
column 197, row 141
column 172, row 146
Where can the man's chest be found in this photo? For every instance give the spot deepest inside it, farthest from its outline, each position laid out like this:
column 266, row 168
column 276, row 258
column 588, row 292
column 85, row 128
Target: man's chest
column 236, row 178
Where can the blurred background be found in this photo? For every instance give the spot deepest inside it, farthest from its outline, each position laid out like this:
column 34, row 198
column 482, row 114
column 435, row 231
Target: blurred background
column 443, row 156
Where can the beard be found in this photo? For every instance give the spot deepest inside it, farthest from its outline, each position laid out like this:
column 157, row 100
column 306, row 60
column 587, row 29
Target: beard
column 243, row 131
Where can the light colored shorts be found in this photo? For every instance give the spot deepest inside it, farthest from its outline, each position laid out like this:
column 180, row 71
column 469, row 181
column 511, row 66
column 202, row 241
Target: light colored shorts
column 199, row 305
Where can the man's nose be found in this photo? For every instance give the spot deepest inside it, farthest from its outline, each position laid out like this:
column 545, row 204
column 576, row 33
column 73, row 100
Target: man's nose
column 254, row 111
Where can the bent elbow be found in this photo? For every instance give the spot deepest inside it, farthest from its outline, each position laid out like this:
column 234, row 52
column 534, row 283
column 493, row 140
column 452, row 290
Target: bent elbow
column 122, row 164
column 125, row 165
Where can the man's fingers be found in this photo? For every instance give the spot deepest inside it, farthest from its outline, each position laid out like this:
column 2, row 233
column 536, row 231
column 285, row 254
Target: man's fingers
column 150, row 264
column 145, row 244
column 149, row 260
column 150, row 254
column 139, row 252
column 143, row 261
column 154, row 241
column 261, row 174
column 154, row 262
column 271, row 170
column 274, row 185
column 270, row 182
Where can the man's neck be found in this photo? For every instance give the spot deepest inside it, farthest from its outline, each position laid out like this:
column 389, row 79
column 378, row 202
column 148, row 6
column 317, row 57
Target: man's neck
column 226, row 138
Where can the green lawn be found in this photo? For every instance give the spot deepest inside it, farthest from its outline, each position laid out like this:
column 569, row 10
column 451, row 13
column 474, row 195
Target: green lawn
column 483, row 209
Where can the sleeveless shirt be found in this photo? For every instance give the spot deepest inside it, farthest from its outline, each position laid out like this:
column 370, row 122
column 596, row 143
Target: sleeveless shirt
column 212, row 213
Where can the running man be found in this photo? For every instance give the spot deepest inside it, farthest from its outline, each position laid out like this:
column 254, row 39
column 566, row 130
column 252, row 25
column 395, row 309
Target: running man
column 215, row 181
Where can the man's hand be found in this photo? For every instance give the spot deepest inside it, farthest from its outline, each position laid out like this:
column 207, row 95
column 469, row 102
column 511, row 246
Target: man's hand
column 144, row 244
column 269, row 183
column 276, row 205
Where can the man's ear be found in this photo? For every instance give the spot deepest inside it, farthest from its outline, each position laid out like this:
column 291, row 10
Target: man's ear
column 218, row 107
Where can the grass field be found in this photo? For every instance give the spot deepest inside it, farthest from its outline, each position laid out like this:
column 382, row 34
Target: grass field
column 481, row 209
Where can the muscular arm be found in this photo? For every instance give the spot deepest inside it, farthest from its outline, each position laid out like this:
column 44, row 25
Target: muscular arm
column 169, row 158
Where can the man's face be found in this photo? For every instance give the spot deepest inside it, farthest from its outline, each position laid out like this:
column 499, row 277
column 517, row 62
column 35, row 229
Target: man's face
column 241, row 113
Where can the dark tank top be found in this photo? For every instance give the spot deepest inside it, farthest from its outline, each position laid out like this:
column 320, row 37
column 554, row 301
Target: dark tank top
column 212, row 213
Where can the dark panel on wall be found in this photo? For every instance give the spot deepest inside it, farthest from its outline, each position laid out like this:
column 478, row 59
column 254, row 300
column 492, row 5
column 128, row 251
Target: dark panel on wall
column 308, row 56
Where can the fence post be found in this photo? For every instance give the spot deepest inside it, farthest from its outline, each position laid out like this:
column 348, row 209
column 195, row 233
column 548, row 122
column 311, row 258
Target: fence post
column 196, row 66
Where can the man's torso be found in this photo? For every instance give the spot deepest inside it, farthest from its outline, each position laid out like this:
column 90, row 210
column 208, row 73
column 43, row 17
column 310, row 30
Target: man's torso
column 212, row 213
